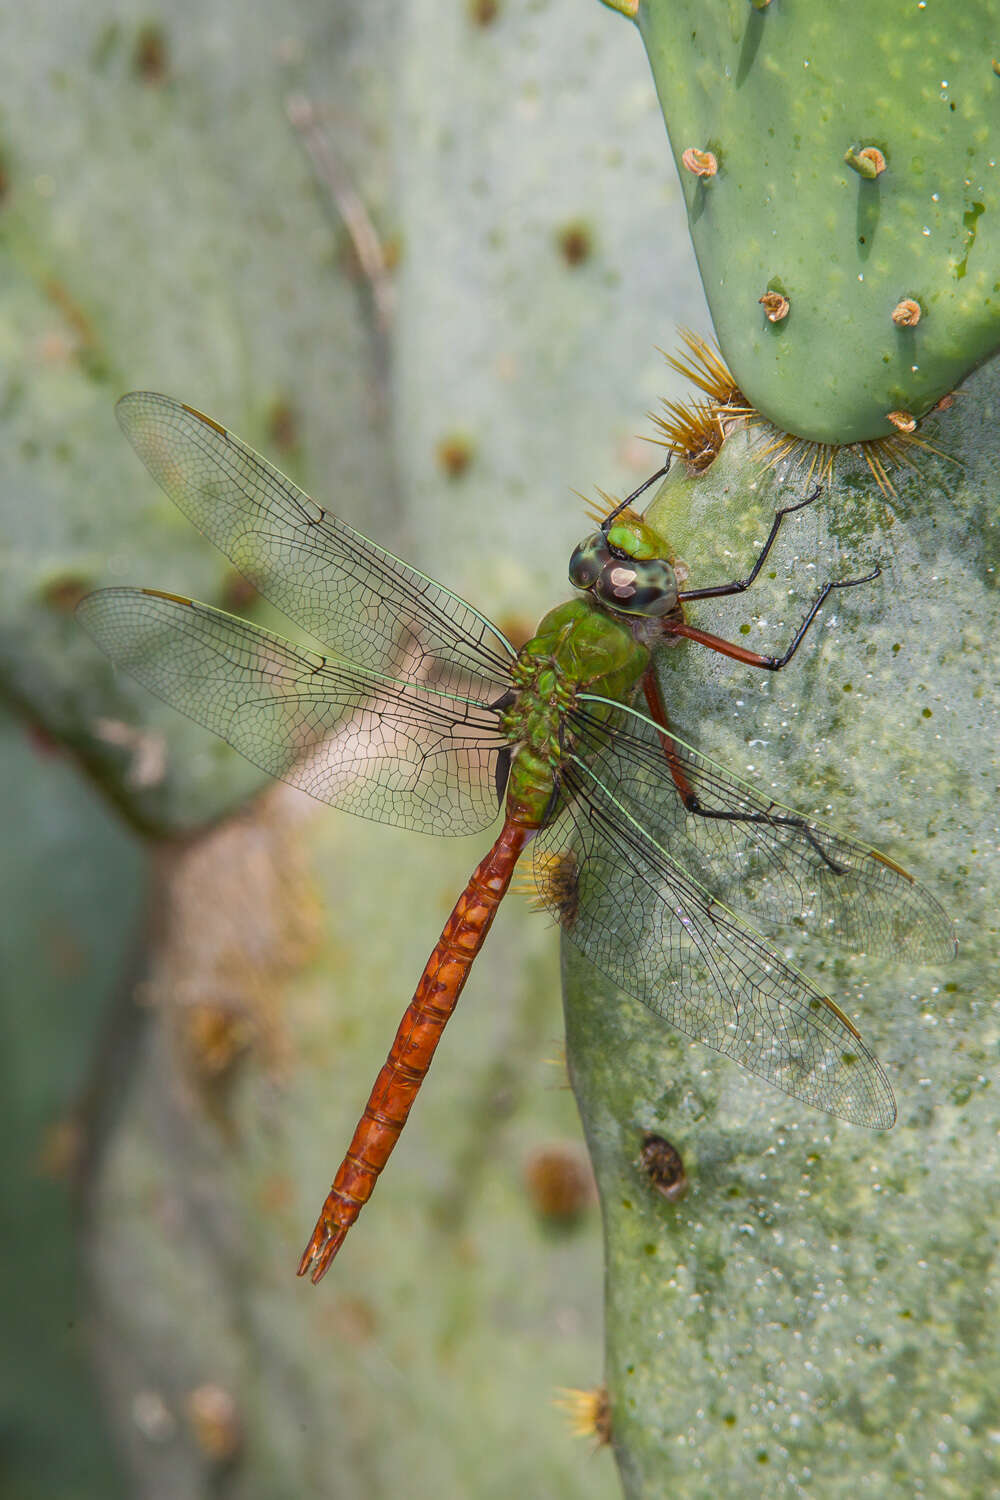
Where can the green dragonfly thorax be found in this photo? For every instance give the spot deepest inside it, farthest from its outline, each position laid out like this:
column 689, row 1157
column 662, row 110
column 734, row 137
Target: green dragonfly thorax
column 579, row 647
column 627, row 570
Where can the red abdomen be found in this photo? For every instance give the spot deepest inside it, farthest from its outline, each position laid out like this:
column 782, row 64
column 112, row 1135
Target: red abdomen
column 419, row 1032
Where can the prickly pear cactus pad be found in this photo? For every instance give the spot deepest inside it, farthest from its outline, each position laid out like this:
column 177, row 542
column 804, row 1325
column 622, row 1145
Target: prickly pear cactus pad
column 840, row 163
column 817, row 1316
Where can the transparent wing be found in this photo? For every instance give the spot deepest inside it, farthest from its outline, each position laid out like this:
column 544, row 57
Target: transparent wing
column 755, row 854
column 659, row 935
column 350, row 595
column 396, row 752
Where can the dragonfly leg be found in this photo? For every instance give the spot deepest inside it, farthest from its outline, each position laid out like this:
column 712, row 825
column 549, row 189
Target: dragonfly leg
column 721, row 590
column 689, row 797
column 661, row 473
column 658, row 713
column 410, row 1057
column 757, row 658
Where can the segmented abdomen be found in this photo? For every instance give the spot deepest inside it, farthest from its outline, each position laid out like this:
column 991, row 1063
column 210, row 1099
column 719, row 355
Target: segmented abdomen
column 410, row 1056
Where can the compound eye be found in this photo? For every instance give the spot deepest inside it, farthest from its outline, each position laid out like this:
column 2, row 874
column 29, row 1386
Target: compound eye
column 638, row 588
column 589, row 561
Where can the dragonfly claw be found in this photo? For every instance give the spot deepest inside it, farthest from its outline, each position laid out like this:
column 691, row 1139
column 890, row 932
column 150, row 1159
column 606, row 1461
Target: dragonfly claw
column 320, row 1251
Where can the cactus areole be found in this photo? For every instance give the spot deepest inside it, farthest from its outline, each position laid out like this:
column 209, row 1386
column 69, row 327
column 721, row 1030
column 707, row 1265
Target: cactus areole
column 799, row 104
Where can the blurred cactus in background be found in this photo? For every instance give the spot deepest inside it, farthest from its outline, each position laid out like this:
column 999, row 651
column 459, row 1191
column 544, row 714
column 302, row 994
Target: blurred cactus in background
column 198, row 981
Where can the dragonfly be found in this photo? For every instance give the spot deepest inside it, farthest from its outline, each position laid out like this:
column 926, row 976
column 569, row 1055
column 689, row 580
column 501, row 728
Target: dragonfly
column 413, row 709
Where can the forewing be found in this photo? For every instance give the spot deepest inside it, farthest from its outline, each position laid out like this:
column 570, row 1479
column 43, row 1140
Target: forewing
column 350, row 595
column 658, row 934
column 395, row 752
column 757, row 855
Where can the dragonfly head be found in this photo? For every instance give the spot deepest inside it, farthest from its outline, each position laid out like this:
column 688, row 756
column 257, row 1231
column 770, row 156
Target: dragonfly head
column 623, row 566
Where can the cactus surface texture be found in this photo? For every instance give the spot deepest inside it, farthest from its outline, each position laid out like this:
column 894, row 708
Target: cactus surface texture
column 815, row 1315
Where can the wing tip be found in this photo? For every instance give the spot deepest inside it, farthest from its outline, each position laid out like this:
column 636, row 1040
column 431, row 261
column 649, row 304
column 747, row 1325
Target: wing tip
column 127, row 404
column 873, row 1107
column 90, row 605
column 936, row 939
column 886, row 1112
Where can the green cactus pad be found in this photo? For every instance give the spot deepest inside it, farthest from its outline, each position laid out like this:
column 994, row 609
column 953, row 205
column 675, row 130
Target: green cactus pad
column 788, row 99
column 813, row 1318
